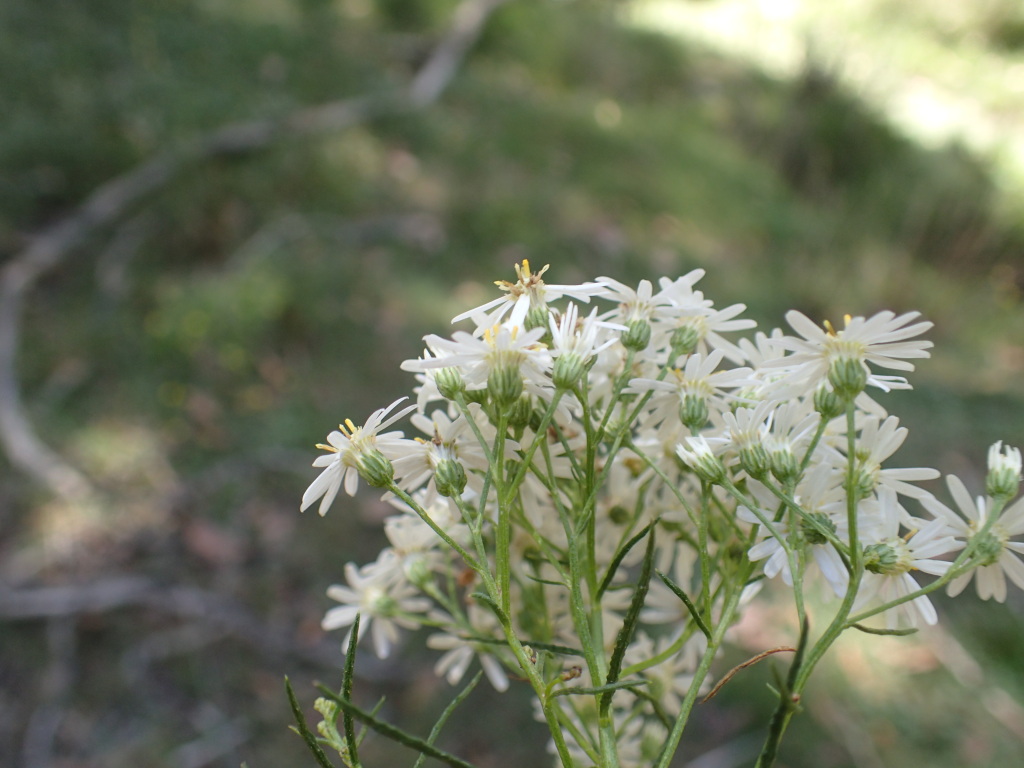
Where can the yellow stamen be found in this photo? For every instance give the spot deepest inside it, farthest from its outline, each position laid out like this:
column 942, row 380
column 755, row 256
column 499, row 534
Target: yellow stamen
column 323, row 447
column 829, row 329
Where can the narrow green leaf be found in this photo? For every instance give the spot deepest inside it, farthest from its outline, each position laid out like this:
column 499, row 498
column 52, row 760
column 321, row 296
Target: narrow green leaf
column 563, row 650
column 436, row 730
column 394, row 733
column 303, row 729
column 346, row 692
column 630, row 622
column 617, row 560
column 678, row 592
column 611, row 687
column 545, row 581
column 880, row 631
column 486, row 600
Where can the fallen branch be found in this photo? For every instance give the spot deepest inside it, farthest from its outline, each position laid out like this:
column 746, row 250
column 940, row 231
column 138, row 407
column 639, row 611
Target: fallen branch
column 110, row 202
column 68, row 602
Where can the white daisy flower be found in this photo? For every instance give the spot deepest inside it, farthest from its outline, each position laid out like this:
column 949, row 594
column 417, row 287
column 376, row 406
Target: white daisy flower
column 503, row 348
column 891, row 559
column 529, row 291
column 381, row 598
column 882, row 340
column 348, row 450
column 999, row 555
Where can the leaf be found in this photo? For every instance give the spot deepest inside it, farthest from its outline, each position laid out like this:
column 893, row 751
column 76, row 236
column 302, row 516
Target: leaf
column 880, row 631
column 614, row 566
column 678, row 592
column 395, row 733
column 610, row 688
column 436, row 730
column 629, row 624
column 303, row 729
column 346, row 692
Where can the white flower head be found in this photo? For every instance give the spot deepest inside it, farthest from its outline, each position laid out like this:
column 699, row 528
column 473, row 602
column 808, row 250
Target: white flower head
column 380, row 597
column 882, row 340
column 999, row 555
column 348, row 445
column 528, row 292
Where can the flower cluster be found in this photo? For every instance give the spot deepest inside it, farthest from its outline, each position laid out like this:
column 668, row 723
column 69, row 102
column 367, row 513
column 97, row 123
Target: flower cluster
column 595, row 496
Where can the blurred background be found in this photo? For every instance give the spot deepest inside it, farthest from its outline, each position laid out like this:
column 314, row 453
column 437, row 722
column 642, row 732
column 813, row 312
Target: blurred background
column 224, row 223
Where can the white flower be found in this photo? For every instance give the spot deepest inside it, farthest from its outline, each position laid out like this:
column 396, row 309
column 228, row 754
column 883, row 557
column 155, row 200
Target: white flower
column 820, row 496
column 347, row 447
column 999, row 555
column 502, row 347
column 698, row 382
column 459, row 651
column 891, row 559
column 527, row 292
column 380, row 597
column 878, row 441
column 697, row 317
column 639, row 304
column 881, row 340
column 416, row 461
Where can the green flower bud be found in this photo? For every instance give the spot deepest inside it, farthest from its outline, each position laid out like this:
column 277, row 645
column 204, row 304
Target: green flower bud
column 828, row 403
column 536, row 317
column 568, row 370
column 505, row 385
column 693, row 411
column 785, row 467
column 637, row 335
column 478, row 396
column 417, row 571
column 848, row 376
column 813, row 535
column 375, row 468
column 450, row 478
column 889, row 557
column 520, row 412
column 755, row 460
column 619, row 514
column 449, row 382
column 684, row 340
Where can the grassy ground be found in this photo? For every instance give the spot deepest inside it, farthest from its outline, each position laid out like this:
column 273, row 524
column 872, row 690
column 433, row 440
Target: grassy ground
column 189, row 356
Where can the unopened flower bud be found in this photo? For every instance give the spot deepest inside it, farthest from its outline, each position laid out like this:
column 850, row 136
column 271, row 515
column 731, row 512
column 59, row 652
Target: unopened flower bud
column 755, row 460
column 478, row 396
column 813, row 534
column 828, row 403
column 536, row 317
column 637, row 335
column 785, row 466
column 890, row 557
column 505, row 385
column 449, row 382
column 375, row 468
column 684, row 340
column 450, row 478
column 848, row 376
column 1004, row 467
column 520, row 412
column 568, row 370
column 693, row 411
